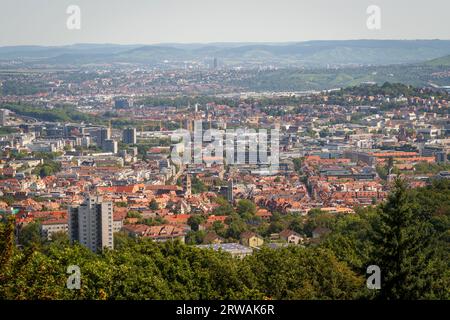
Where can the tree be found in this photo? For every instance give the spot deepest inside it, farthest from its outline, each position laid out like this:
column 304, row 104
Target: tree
column 49, row 168
column 156, row 221
column 302, row 273
column 153, row 205
column 195, row 221
column 246, row 208
column 121, row 204
column 236, row 227
column 318, row 218
column 45, row 171
column 7, row 239
column 30, row 235
column 218, row 227
column 390, row 164
column 197, row 186
column 60, row 237
column 224, row 208
column 134, row 214
column 275, row 227
column 402, row 247
column 195, row 237
column 297, row 225
column 382, row 172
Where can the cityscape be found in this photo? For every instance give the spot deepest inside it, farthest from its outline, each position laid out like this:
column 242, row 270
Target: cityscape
column 225, row 171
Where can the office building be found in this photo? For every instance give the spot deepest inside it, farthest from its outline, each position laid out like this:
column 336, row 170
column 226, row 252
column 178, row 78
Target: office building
column 103, row 135
column 98, row 134
column 129, row 136
column 110, row 145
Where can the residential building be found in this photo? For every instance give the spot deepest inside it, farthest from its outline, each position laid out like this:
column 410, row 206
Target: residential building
column 212, row 238
column 50, row 227
column 291, row 236
column 251, row 239
column 91, row 223
column 157, row 233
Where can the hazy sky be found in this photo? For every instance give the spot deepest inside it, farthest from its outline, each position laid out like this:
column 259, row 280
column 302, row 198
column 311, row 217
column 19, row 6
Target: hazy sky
column 43, row 22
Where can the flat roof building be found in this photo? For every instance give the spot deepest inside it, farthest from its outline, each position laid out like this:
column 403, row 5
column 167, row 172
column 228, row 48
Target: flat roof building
column 91, row 224
column 235, row 249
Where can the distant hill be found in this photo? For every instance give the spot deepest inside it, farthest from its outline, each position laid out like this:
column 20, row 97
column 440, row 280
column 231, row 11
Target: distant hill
column 295, row 54
column 442, row 61
column 310, row 53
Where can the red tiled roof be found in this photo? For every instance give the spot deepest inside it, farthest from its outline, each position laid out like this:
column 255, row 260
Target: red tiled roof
column 213, row 218
column 178, row 218
column 163, row 187
column 54, row 221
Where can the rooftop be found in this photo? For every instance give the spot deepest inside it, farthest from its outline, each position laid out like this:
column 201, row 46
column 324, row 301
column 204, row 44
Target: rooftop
column 228, row 247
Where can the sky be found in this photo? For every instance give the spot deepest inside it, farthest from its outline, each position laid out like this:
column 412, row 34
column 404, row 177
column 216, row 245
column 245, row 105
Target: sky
column 44, row 22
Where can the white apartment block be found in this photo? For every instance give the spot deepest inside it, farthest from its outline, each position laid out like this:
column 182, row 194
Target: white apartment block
column 50, row 227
